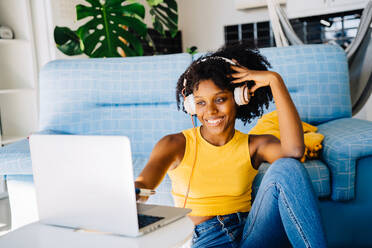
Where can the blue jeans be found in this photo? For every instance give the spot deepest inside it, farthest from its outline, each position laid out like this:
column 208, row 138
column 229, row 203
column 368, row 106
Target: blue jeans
column 283, row 214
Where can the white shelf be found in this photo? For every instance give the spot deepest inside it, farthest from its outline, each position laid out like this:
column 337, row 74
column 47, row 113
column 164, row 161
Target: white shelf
column 14, row 91
column 14, row 42
column 16, row 64
column 18, row 114
column 16, row 15
column 5, row 140
column 18, row 72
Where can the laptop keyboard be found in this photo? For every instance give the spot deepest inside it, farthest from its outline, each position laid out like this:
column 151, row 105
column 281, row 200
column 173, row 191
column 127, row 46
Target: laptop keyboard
column 145, row 220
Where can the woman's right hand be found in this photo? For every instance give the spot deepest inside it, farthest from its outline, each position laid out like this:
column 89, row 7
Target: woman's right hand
column 141, row 199
column 167, row 152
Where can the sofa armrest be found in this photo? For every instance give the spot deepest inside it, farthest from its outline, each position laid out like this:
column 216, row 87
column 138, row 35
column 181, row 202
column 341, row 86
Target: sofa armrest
column 345, row 141
column 15, row 158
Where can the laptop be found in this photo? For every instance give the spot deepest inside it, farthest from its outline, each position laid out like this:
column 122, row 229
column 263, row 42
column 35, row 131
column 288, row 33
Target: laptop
column 86, row 182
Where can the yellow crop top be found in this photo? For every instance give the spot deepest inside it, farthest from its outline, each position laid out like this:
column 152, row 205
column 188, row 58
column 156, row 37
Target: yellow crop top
column 222, row 179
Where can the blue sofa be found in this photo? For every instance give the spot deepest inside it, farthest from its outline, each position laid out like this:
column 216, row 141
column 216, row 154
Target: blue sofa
column 136, row 97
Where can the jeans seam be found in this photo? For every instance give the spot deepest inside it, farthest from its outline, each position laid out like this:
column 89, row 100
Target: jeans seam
column 203, row 229
column 294, row 218
column 226, row 231
column 194, row 237
column 255, row 216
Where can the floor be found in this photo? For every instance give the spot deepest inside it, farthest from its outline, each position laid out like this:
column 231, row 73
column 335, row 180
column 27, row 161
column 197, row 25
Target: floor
column 23, row 202
column 5, row 219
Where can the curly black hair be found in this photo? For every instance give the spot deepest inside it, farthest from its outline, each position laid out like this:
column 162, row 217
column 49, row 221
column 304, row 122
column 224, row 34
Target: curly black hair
column 219, row 71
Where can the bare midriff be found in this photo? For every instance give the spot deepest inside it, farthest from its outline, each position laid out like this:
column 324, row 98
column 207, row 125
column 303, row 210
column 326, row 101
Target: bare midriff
column 199, row 219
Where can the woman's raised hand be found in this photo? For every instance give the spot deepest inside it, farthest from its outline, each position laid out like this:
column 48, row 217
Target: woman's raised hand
column 243, row 74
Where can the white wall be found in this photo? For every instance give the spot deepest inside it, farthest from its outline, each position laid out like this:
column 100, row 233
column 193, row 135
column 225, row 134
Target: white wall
column 368, row 109
column 202, row 21
column 202, row 24
column 366, row 112
column 46, row 15
column 40, row 32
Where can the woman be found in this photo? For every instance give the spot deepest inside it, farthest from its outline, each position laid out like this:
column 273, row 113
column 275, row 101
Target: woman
column 212, row 167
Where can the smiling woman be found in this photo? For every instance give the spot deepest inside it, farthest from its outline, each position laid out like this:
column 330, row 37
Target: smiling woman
column 219, row 70
column 216, row 110
column 212, row 167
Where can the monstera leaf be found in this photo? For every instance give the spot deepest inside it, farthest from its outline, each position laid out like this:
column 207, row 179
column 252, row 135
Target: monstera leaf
column 164, row 16
column 67, row 41
column 112, row 31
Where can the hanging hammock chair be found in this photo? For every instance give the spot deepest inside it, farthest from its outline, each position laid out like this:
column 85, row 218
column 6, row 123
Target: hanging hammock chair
column 359, row 52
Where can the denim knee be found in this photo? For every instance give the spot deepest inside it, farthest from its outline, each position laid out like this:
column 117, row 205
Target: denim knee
column 287, row 163
column 286, row 168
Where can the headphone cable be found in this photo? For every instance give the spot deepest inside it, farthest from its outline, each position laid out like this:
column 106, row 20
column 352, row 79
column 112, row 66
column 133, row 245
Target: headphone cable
column 194, row 162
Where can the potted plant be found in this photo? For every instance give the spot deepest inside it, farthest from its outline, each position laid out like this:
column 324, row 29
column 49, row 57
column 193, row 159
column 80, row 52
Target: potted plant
column 115, row 27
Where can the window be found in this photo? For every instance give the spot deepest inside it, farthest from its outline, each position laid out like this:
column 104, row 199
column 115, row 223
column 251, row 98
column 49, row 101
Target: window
column 340, row 28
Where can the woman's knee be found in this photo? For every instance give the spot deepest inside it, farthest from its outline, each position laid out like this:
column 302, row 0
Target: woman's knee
column 285, row 168
column 287, row 163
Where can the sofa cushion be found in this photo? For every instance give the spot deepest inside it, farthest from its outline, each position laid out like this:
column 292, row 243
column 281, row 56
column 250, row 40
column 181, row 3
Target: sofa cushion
column 144, row 125
column 15, row 158
column 133, row 96
column 345, row 141
column 317, row 171
column 316, row 77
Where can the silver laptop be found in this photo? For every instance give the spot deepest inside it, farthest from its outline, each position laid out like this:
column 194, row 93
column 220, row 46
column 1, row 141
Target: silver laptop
column 87, row 182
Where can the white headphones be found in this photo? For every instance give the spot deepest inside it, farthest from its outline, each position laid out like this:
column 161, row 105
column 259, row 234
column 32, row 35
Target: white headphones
column 241, row 94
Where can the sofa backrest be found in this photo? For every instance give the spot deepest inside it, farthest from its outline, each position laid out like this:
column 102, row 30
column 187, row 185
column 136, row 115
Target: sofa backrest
column 117, row 96
column 317, row 78
column 136, row 96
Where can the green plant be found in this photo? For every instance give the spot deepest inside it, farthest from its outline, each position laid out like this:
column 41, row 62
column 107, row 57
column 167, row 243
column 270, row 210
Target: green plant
column 115, row 27
column 164, row 13
column 192, row 50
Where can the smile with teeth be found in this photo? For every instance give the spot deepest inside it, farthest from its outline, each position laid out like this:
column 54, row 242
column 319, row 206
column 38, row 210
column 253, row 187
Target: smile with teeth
column 214, row 121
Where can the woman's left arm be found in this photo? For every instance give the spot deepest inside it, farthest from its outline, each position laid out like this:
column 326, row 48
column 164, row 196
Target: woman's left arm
column 291, row 142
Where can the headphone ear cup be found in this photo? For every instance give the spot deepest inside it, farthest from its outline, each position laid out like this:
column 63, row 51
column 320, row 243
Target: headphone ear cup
column 241, row 95
column 189, row 104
